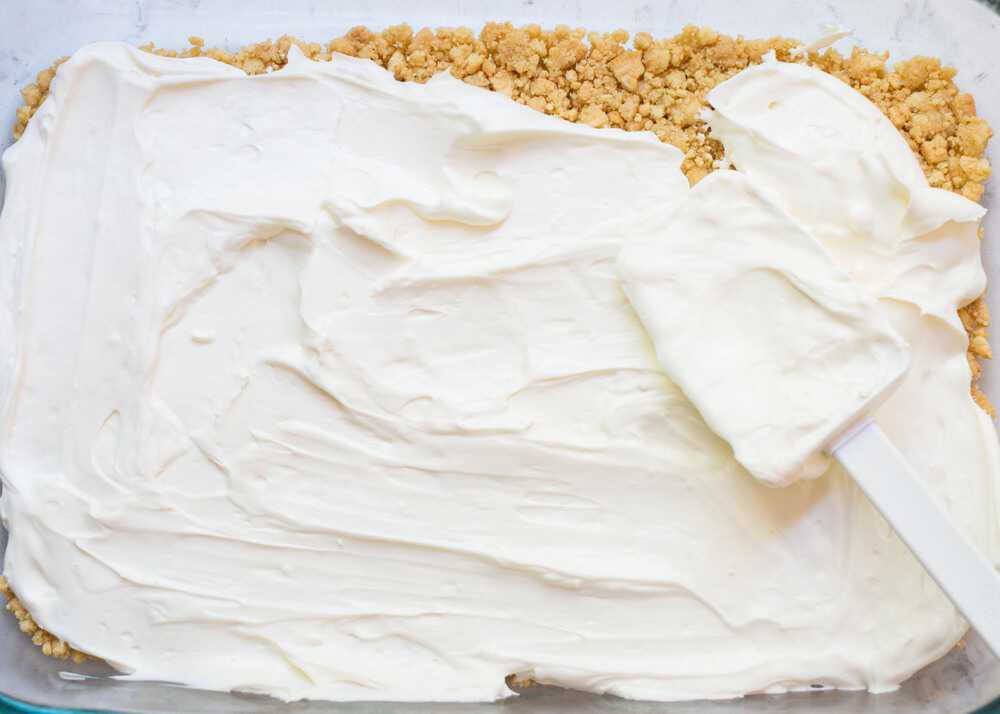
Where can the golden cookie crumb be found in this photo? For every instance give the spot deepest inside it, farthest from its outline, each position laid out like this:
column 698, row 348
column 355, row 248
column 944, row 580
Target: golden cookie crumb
column 51, row 645
column 976, row 319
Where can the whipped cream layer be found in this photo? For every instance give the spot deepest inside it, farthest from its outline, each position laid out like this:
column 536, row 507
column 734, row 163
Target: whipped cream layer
column 764, row 333
column 323, row 385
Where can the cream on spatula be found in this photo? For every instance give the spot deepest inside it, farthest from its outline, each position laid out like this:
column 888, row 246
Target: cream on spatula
column 785, row 359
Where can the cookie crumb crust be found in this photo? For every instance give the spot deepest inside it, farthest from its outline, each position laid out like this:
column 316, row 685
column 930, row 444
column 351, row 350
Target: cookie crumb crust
column 657, row 85
column 51, row 645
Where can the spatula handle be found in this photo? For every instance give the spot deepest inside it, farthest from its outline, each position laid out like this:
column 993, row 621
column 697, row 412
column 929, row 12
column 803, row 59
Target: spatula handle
column 961, row 570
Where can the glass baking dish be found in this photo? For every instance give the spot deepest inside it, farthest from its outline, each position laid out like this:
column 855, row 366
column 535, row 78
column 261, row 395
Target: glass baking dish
column 960, row 32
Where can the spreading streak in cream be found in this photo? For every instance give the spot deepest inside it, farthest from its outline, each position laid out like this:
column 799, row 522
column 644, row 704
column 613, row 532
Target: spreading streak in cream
column 324, row 385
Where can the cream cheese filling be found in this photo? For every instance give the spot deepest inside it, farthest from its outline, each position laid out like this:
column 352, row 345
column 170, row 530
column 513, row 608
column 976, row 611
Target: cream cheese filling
column 323, row 385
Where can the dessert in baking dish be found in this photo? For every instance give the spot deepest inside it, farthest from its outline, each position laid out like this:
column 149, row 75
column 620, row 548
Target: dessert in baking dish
column 324, row 385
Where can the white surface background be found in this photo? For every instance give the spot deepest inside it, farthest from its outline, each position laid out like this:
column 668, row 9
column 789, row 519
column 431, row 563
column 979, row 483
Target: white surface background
column 963, row 33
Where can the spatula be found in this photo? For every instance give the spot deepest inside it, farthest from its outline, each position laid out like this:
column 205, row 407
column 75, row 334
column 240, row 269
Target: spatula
column 786, row 359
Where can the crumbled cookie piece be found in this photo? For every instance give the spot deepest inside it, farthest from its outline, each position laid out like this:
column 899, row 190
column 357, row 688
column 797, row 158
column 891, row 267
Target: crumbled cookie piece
column 51, row 646
column 33, row 95
column 976, row 319
column 520, row 680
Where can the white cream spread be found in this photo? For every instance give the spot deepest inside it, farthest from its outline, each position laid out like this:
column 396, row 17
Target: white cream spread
column 324, row 385
column 762, row 331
